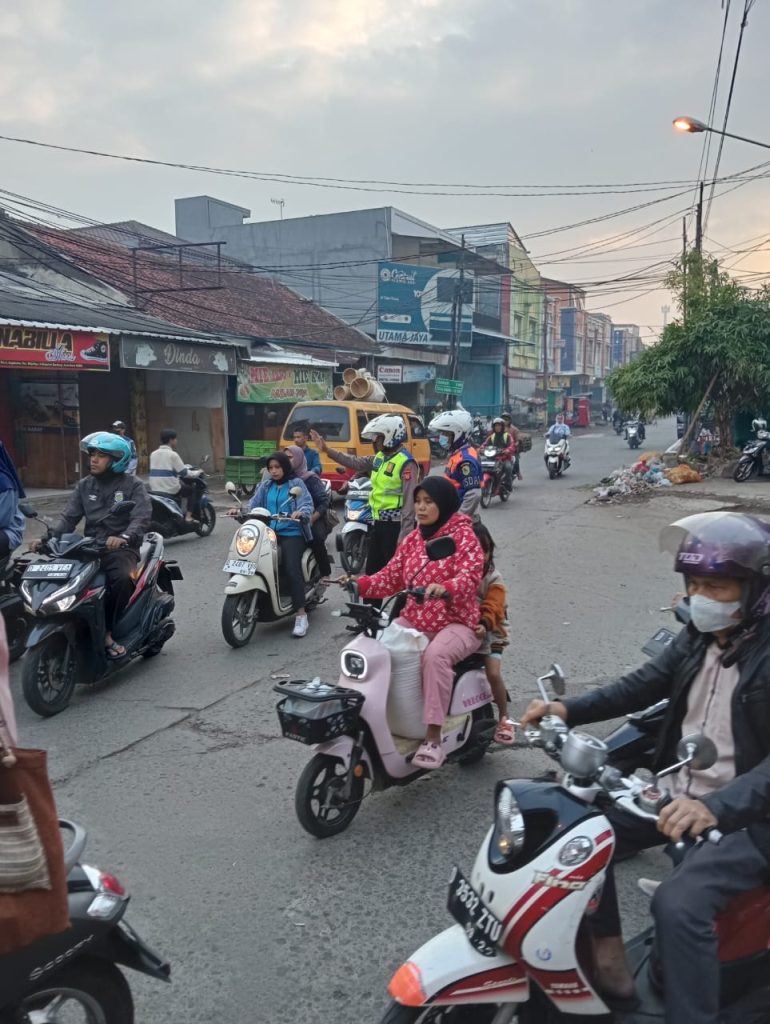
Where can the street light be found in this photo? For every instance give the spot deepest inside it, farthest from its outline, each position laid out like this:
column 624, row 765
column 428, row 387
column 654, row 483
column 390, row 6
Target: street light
column 692, row 125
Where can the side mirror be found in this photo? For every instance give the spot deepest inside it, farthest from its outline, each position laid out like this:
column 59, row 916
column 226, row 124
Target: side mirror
column 230, row 487
column 205, row 460
column 440, row 547
column 698, row 751
column 295, row 492
column 27, row 511
column 555, row 676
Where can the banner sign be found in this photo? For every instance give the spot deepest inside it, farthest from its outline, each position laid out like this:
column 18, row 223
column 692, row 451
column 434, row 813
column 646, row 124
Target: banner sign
column 156, row 354
column 48, row 348
column 270, row 384
column 418, row 374
column 444, row 386
column 389, row 374
column 415, row 304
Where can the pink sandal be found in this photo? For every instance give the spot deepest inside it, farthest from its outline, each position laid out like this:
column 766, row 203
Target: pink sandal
column 429, row 756
column 505, row 732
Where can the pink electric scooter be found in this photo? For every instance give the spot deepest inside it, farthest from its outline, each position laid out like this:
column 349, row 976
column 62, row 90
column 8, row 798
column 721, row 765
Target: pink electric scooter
column 348, row 723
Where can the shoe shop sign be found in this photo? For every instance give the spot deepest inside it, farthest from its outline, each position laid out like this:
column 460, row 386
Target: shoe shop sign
column 156, row 354
column 49, row 348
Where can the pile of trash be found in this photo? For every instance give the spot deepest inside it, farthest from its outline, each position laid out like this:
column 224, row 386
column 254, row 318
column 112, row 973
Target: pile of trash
column 644, row 476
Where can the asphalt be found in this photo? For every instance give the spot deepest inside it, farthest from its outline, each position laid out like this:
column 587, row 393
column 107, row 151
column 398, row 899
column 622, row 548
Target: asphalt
column 178, row 770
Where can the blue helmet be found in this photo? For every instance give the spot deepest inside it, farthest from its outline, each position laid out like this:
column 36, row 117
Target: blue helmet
column 112, row 444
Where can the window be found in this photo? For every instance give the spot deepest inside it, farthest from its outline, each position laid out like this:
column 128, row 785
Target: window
column 418, row 428
column 517, row 326
column 488, row 296
column 446, row 287
column 331, row 421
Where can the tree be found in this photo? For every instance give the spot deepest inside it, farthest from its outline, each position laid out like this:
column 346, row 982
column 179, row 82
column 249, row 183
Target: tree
column 720, row 344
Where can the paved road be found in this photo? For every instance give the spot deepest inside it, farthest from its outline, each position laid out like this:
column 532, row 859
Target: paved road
column 187, row 790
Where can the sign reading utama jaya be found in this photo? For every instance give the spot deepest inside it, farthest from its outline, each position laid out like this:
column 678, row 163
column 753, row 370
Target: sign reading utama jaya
column 414, row 304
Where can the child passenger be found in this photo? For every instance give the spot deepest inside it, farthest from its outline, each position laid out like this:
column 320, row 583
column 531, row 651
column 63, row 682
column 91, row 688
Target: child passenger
column 493, row 632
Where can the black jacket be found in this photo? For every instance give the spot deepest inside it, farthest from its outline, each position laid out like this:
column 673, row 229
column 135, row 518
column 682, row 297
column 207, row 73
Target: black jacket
column 746, row 800
column 92, row 499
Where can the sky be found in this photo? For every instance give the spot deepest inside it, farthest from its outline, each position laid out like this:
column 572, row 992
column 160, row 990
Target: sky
column 505, row 93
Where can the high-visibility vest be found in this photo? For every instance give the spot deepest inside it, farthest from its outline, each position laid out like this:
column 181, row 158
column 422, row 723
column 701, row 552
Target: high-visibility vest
column 387, row 490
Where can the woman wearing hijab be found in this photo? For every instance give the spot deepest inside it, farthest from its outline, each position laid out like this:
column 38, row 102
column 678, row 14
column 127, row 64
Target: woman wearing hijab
column 321, row 501
column 11, row 492
column 293, row 535
column 449, row 623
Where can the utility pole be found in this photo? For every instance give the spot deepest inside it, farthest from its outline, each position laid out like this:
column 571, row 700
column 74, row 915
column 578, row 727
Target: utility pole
column 545, row 349
column 699, row 221
column 684, row 268
column 457, row 320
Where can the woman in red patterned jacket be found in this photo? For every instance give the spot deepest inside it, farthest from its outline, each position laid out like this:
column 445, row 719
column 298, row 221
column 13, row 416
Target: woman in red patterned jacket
column 448, row 623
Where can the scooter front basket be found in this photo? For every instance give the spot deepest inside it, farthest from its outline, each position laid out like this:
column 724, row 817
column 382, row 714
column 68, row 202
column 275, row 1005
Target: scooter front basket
column 311, row 714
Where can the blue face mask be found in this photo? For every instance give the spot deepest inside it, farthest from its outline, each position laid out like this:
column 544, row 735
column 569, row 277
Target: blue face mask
column 443, row 440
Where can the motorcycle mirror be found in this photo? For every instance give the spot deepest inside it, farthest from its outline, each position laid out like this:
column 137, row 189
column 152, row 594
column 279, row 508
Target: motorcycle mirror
column 295, row 492
column 206, row 459
column 27, row 511
column 698, row 751
column 557, row 679
column 230, row 487
column 440, row 547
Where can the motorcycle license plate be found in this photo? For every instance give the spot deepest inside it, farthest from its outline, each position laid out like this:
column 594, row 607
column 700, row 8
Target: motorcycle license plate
column 482, row 928
column 240, row 566
column 48, row 571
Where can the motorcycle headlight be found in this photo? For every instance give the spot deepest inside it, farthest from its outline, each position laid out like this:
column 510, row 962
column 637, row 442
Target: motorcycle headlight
column 353, row 664
column 509, row 831
column 65, row 603
column 354, row 514
column 246, row 539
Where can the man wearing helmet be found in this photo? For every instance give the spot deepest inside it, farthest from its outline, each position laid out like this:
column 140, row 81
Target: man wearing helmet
column 716, row 676
column 393, row 473
column 504, row 442
column 119, row 532
column 120, row 428
column 463, row 468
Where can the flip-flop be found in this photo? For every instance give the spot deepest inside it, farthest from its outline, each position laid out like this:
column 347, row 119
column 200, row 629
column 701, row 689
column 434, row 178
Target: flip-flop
column 429, row 756
column 115, row 651
column 505, row 732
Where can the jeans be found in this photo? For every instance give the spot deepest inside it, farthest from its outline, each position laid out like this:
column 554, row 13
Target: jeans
column 292, row 549
column 318, row 547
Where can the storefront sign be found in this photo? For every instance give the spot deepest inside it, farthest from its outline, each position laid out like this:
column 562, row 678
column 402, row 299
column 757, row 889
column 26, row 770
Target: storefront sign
column 418, row 374
column 415, row 304
column 389, row 374
column 48, row 348
column 155, row 354
column 265, row 384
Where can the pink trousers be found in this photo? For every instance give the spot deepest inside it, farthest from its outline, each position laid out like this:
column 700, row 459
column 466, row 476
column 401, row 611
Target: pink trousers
column 450, row 645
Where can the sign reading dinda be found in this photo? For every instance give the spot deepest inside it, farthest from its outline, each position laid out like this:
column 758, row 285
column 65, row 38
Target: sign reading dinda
column 266, row 384
column 155, row 354
column 48, row 348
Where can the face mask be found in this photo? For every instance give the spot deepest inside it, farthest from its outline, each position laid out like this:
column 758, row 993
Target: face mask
column 443, row 441
column 709, row 616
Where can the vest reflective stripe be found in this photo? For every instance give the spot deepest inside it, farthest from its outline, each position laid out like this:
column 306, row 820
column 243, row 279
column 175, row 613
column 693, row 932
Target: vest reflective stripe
column 387, row 490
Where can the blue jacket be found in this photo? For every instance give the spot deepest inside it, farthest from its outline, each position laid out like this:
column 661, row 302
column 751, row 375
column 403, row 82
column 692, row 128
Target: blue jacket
column 276, row 498
column 463, row 469
column 313, row 460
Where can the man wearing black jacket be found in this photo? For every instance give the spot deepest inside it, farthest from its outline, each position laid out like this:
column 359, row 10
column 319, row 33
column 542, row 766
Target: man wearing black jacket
column 716, row 676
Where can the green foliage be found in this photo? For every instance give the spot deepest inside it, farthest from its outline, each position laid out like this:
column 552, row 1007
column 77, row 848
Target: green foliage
column 723, row 333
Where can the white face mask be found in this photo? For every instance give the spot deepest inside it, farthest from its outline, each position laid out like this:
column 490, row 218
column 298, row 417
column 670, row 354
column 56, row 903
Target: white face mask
column 709, row 616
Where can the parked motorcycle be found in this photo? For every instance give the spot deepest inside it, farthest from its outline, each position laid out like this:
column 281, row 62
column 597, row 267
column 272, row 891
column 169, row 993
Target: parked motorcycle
column 76, row 976
column 754, row 455
column 556, row 456
column 353, row 539
column 17, row 622
column 520, row 915
column 495, row 482
column 168, row 519
column 257, row 590
column 348, row 723
column 64, row 592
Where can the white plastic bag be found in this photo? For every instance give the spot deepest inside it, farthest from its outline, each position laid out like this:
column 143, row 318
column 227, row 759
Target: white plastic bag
column 405, row 695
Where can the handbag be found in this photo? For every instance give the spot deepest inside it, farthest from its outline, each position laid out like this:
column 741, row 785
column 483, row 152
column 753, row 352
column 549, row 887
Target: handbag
column 33, row 883
column 331, row 519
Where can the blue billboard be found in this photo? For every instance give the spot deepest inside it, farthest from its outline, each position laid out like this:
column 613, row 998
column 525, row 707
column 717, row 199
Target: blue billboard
column 414, row 304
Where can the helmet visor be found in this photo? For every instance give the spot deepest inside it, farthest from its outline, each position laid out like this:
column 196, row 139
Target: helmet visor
column 719, row 544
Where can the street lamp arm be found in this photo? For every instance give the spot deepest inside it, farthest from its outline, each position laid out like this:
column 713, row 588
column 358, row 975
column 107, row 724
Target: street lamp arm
column 692, row 125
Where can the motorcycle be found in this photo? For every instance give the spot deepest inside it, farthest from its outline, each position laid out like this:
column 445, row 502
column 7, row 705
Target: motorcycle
column 76, row 975
column 495, row 480
column 257, row 589
column 168, row 518
column 618, row 426
column 754, row 455
column 556, row 456
column 353, row 539
column 634, row 434
column 64, row 594
column 348, row 726
column 17, row 622
column 517, row 949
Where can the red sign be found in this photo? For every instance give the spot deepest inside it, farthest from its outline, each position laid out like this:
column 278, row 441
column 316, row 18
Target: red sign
column 47, row 348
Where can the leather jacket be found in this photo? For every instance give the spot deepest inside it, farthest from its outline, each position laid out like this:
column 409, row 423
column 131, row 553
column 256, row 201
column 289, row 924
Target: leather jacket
column 92, row 499
column 744, row 802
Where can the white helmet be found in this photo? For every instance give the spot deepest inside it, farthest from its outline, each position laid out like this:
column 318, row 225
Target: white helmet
column 390, row 426
column 454, row 421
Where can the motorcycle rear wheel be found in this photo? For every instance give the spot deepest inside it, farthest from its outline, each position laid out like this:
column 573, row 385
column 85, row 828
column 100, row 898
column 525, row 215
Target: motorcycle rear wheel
column 478, row 1014
column 238, row 624
column 96, row 991
column 481, row 716
column 48, row 676
column 486, row 494
column 745, row 470
column 319, row 779
column 207, row 521
column 355, row 547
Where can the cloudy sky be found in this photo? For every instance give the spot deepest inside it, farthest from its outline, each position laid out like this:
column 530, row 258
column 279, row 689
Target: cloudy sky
column 469, row 92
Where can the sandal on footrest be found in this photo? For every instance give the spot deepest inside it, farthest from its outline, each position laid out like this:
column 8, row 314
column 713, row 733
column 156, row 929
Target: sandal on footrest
column 429, row 756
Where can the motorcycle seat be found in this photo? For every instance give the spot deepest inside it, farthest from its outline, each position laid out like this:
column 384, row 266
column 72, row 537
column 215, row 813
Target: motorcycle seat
column 473, row 661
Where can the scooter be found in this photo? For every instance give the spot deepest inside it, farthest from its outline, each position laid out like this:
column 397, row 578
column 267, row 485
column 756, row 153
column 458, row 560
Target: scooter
column 168, row 518
column 556, row 456
column 518, row 948
column 64, row 594
column 257, row 590
column 353, row 539
column 754, row 455
column 632, row 435
column 348, row 725
column 76, row 975
column 495, row 482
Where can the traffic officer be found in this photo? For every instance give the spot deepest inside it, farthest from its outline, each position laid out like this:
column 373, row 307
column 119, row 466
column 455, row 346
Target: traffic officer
column 463, row 466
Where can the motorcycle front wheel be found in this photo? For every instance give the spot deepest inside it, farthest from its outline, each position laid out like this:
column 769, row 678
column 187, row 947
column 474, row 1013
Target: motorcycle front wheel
column 89, row 991
column 553, row 472
column 318, row 802
column 208, row 519
column 745, row 470
column 239, row 618
column 48, row 675
column 354, row 550
column 478, row 1014
column 486, row 494
column 17, row 630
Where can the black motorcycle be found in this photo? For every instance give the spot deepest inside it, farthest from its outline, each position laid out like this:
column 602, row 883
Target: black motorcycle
column 17, row 622
column 76, row 975
column 65, row 592
column 168, row 518
column 753, row 458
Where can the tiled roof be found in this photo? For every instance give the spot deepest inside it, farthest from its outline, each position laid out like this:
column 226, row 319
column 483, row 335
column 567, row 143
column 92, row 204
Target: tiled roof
column 248, row 304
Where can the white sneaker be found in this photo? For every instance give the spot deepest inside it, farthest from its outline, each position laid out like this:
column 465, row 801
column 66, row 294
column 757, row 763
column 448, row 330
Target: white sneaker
column 300, row 626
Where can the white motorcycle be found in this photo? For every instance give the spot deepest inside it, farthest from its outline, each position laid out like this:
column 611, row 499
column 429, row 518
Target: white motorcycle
column 556, row 456
column 257, row 590
column 353, row 539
